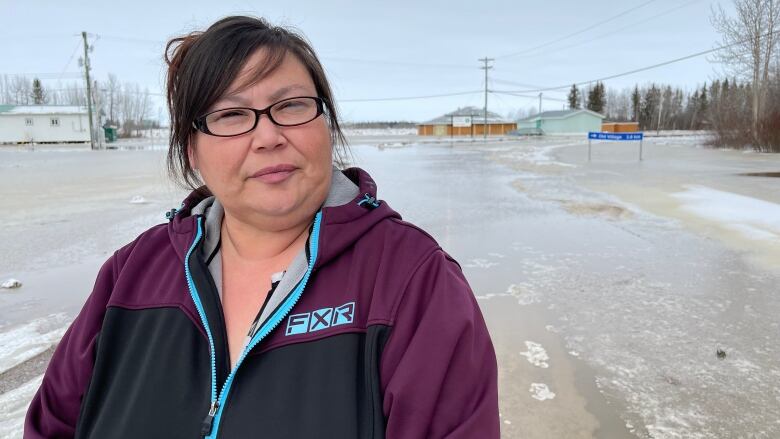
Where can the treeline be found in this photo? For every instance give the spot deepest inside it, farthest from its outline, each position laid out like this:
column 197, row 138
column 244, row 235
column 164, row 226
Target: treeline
column 724, row 107
column 740, row 113
column 122, row 105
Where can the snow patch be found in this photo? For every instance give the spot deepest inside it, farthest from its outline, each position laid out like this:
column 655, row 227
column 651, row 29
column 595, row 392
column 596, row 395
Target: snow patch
column 541, row 392
column 525, row 295
column 11, row 283
column 19, row 344
column 480, row 263
column 13, row 407
column 536, row 354
column 753, row 218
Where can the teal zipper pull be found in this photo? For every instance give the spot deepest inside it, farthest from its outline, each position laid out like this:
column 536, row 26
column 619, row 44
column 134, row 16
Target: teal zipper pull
column 205, row 427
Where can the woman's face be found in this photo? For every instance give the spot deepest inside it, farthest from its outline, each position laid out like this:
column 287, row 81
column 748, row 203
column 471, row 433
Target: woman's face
column 230, row 166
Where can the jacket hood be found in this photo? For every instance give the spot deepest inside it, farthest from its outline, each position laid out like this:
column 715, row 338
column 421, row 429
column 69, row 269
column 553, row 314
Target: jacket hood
column 341, row 225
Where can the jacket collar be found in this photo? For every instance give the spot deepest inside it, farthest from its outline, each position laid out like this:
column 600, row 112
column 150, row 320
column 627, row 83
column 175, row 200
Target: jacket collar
column 344, row 218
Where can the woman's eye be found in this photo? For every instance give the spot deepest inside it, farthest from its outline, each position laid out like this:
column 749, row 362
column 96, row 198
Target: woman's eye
column 291, row 105
column 231, row 114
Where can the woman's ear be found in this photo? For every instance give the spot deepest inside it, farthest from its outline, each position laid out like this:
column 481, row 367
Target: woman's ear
column 192, row 157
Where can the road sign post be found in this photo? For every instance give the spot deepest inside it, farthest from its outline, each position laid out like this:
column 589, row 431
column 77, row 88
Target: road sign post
column 618, row 137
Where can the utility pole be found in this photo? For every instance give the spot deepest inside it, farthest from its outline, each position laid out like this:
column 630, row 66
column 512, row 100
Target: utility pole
column 540, row 103
column 486, row 68
column 89, row 90
column 660, row 107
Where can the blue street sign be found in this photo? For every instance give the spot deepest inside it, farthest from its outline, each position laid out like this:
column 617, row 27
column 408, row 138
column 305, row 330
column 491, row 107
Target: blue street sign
column 615, row 136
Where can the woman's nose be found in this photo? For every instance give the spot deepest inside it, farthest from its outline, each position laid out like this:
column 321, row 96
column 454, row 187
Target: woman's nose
column 267, row 135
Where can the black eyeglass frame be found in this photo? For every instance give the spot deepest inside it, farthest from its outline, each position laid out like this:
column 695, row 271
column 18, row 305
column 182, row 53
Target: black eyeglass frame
column 200, row 122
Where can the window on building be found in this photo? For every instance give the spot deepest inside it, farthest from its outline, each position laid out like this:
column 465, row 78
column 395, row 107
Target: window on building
column 28, row 121
column 55, row 121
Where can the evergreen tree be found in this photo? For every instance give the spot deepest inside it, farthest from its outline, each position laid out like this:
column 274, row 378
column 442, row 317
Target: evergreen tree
column 597, row 98
column 38, row 95
column 703, row 101
column 693, row 110
column 636, row 100
column 666, row 108
column 649, row 107
column 574, row 97
column 677, row 109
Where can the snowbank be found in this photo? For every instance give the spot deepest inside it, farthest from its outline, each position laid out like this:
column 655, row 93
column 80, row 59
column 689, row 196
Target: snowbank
column 753, row 218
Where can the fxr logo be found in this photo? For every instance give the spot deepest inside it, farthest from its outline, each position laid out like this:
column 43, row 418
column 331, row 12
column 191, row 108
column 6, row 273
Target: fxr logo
column 320, row 319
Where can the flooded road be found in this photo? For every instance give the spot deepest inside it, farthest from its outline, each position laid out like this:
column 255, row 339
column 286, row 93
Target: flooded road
column 606, row 315
column 616, row 296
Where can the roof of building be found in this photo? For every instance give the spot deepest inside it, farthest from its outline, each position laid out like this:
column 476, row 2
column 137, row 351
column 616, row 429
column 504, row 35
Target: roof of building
column 478, row 115
column 560, row 115
column 42, row 109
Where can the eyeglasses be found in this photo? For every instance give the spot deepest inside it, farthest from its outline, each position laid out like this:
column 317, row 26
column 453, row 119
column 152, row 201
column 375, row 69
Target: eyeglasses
column 289, row 112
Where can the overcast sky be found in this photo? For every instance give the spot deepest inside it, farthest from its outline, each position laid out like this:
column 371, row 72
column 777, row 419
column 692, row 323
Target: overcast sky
column 386, row 49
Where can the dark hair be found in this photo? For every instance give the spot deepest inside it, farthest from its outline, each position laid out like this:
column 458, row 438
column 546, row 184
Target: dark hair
column 202, row 65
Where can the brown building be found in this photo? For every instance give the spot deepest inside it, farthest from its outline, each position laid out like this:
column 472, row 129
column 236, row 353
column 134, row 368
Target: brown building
column 620, row 127
column 466, row 121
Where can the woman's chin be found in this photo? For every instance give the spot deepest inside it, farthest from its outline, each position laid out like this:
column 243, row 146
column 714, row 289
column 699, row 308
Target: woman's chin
column 279, row 209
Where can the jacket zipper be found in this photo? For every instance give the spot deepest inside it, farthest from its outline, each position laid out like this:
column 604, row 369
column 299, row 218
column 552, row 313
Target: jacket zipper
column 210, row 425
column 202, row 313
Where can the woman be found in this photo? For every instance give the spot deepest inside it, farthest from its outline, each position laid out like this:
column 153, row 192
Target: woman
column 283, row 300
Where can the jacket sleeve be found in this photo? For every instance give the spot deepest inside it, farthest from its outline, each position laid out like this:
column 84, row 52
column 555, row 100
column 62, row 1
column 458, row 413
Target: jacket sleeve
column 438, row 368
column 54, row 410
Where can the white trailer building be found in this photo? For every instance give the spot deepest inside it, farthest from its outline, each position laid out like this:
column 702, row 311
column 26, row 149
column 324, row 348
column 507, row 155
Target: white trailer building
column 43, row 124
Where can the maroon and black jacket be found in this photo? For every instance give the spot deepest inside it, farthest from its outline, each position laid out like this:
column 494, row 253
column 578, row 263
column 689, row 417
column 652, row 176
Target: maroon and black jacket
column 380, row 337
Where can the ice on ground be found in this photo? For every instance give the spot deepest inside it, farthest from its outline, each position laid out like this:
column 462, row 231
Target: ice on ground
column 489, row 296
column 480, row 263
column 19, row 344
column 539, row 154
column 11, row 283
column 541, row 392
column 753, row 218
column 525, row 294
column 13, row 406
column 536, row 354
column 138, row 200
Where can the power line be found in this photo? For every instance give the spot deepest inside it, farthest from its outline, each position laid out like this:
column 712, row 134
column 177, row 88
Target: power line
column 329, row 58
column 43, row 75
column 520, row 84
column 81, row 89
column 399, row 63
column 642, row 69
column 581, row 31
column 618, row 30
column 130, row 39
column 75, row 49
column 408, row 98
column 519, row 95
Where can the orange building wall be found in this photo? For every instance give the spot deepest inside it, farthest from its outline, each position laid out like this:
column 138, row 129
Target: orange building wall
column 620, row 127
column 474, row 129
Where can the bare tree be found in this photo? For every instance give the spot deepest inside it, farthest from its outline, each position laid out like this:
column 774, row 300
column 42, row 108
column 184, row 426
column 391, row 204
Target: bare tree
column 751, row 40
column 112, row 96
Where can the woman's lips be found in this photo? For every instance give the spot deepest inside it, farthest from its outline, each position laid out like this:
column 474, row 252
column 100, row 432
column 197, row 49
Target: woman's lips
column 274, row 174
